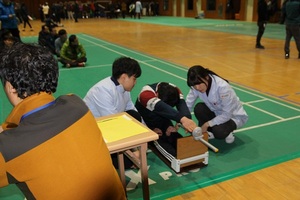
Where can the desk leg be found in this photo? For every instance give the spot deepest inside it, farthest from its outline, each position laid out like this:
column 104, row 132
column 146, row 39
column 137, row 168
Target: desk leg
column 122, row 169
column 144, row 171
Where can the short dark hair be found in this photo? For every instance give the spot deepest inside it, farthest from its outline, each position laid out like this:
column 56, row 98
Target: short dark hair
column 29, row 69
column 6, row 34
column 168, row 93
column 72, row 38
column 126, row 65
column 62, row 32
column 44, row 26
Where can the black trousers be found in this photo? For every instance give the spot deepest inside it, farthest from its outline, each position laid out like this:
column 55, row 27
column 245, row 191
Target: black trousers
column 168, row 143
column 292, row 31
column 261, row 29
column 204, row 114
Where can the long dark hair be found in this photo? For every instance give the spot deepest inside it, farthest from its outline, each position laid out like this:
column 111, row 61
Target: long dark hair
column 197, row 73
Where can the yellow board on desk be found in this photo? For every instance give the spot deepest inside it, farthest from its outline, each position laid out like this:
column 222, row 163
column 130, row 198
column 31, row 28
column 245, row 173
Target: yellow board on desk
column 119, row 127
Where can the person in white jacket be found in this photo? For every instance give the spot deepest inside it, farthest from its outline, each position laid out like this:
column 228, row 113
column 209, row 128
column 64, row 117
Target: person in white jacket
column 138, row 9
column 220, row 111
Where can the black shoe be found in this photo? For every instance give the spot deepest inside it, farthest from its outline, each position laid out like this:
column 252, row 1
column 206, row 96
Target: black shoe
column 259, row 46
column 287, row 56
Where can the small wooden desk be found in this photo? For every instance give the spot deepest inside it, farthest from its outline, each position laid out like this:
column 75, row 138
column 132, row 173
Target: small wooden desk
column 137, row 141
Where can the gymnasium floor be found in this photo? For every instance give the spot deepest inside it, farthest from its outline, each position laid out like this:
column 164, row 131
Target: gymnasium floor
column 275, row 31
column 259, row 144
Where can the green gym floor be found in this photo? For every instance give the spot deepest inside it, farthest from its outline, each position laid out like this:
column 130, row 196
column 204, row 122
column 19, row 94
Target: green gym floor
column 273, row 30
column 264, row 141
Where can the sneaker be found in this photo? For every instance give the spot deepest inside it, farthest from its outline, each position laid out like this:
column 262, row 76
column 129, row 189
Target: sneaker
column 82, row 64
column 210, row 135
column 230, row 138
column 259, row 46
column 287, row 56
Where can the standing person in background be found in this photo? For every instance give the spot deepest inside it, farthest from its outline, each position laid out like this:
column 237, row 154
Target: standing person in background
column 46, row 154
column 291, row 13
column 132, row 9
column 263, row 8
column 57, row 10
column 46, row 9
column 25, row 17
column 220, row 112
column 18, row 11
column 138, row 9
column 72, row 53
column 42, row 17
column 70, row 10
column 151, row 8
column 282, row 15
column 123, row 9
column 92, row 9
column 8, row 18
column 76, row 11
column 156, row 9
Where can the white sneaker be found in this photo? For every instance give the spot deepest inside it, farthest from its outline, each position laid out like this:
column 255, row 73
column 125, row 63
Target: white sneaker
column 210, row 135
column 230, row 138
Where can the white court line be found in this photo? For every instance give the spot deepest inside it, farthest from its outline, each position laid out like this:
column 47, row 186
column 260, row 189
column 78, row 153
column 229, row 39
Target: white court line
column 267, row 124
column 256, row 101
column 257, row 95
column 132, row 51
column 81, row 68
column 263, row 111
column 167, row 72
column 178, row 67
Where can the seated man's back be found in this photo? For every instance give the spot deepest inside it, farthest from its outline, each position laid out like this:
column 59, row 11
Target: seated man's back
column 50, row 148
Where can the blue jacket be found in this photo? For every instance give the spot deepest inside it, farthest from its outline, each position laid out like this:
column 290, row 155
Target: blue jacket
column 5, row 11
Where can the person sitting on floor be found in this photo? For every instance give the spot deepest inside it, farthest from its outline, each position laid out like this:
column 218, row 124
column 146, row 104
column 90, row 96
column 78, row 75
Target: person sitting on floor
column 72, row 53
column 44, row 152
column 7, row 39
column 46, row 38
column 220, row 110
column 62, row 37
column 112, row 95
column 156, row 104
